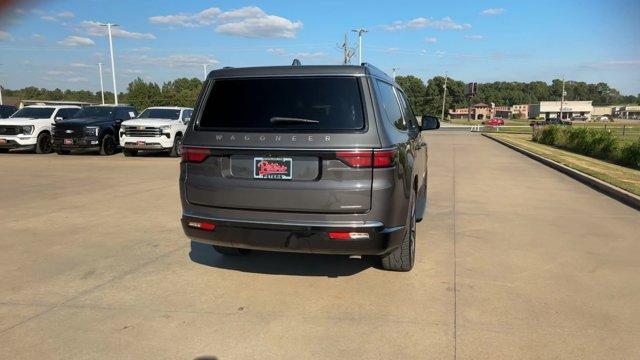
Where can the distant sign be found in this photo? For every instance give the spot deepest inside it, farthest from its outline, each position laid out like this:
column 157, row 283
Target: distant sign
column 471, row 89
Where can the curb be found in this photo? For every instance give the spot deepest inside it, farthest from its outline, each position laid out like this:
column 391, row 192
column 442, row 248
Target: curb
column 612, row 191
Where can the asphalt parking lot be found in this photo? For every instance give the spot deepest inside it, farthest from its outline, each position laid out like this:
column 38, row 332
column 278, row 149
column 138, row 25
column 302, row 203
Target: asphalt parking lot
column 514, row 260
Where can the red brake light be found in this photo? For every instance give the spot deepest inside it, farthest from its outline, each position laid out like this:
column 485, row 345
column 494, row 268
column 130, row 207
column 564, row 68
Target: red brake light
column 367, row 158
column 195, row 154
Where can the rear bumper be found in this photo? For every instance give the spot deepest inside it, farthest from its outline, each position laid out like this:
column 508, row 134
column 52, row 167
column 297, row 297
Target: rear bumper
column 296, row 237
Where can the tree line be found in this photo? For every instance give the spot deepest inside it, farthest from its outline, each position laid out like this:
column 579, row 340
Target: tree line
column 425, row 98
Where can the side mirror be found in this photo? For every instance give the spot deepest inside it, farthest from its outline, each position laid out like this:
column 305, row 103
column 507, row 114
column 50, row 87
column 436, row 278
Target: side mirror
column 429, row 123
column 186, row 120
column 58, row 118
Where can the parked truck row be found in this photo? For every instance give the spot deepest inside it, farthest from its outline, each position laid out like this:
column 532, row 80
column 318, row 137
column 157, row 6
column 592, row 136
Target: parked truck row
column 104, row 128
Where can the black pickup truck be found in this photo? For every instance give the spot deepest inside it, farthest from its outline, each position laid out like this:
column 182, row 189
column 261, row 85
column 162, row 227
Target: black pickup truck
column 93, row 128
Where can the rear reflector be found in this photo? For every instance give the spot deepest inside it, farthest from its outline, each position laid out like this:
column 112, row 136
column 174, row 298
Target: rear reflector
column 202, row 225
column 345, row 235
column 195, row 154
column 367, row 158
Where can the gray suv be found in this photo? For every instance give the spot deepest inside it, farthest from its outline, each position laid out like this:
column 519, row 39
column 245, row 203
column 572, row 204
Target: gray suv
column 315, row 159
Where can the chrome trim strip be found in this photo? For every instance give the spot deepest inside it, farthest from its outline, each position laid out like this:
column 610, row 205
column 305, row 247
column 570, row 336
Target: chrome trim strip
column 364, row 148
column 335, row 224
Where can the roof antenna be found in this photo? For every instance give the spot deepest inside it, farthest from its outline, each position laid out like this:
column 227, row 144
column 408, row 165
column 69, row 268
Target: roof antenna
column 296, row 62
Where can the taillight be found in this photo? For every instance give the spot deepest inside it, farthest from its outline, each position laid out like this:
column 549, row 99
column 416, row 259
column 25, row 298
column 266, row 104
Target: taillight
column 195, row 154
column 202, row 225
column 346, row 235
column 367, row 158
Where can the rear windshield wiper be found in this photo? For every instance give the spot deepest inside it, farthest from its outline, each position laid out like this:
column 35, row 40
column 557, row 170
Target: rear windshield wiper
column 291, row 120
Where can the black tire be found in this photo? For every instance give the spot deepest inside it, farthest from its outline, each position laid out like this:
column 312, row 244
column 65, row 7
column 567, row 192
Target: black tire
column 403, row 258
column 62, row 152
column 230, row 251
column 43, row 144
column 4, row 150
column 108, row 146
column 130, row 152
column 177, row 143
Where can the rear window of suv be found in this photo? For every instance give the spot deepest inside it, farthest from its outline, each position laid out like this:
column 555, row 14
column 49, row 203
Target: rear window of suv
column 284, row 104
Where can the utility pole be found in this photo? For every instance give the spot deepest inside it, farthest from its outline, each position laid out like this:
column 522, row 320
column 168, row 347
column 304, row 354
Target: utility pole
column 113, row 65
column 444, row 96
column 562, row 99
column 347, row 52
column 1, row 103
column 204, row 66
column 393, row 71
column 360, row 31
column 101, row 83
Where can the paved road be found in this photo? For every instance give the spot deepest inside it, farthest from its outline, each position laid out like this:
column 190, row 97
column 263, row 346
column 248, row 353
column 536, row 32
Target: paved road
column 93, row 264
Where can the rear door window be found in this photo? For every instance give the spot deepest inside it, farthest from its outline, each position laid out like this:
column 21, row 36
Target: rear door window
column 285, row 104
column 390, row 105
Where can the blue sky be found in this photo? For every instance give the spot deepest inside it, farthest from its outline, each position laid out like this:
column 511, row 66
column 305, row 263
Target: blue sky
column 58, row 43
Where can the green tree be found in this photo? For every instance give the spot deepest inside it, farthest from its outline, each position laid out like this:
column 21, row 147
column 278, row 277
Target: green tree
column 415, row 90
column 141, row 94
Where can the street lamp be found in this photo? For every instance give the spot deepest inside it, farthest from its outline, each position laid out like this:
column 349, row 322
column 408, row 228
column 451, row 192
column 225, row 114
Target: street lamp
column 101, row 83
column 360, row 31
column 113, row 65
column 204, row 66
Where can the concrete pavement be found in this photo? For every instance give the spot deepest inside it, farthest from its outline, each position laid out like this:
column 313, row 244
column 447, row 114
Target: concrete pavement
column 93, row 264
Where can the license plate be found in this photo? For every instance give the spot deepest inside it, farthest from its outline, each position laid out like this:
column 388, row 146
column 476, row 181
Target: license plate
column 272, row 168
column 3, row 141
column 68, row 141
column 141, row 143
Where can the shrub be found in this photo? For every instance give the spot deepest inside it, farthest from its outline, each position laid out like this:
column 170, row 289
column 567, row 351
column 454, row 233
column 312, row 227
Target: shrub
column 630, row 155
column 547, row 134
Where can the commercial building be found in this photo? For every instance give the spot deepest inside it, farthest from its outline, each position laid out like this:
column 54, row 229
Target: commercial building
column 630, row 112
column 602, row 111
column 480, row 111
column 520, row 111
column 552, row 109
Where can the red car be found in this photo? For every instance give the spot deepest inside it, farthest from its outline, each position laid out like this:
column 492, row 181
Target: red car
column 494, row 122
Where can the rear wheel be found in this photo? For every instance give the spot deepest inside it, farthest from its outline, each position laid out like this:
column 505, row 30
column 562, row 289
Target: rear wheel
column 108, row 146
column 230, row 250
column 3, row 151
column 43, row 144
column 403, row 258
column 130, row 152
column 177, row 144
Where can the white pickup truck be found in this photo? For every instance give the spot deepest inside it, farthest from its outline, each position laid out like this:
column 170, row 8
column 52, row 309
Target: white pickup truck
column 30, row 127
column 157, row 128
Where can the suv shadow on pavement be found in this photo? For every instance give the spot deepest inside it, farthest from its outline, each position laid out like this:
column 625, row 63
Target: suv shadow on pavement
column 280, row 263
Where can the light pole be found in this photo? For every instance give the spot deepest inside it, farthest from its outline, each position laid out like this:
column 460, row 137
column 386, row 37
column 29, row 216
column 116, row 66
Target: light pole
column 101, row 83
column 444, row 96
column 393, row 72
column 360, row 31
column 562, row 100
column 1, row 103
column 113, row 65
column 204, row 66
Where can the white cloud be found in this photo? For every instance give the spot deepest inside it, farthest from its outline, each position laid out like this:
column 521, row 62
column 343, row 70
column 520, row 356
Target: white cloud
column 309, row 55
column 37, row 37
column 80, row 65
column 249, row 21
column 77, row 79
column 392, row 49
column 59, row 72
column 76, row 41
column 446, row 23
column 277, row 51
column 474, row 37
column 614, row 64
column 54, row 16
column 492, row 11
column 431, row 40
column 93, row 28
column 5, row 36
column 173, row 60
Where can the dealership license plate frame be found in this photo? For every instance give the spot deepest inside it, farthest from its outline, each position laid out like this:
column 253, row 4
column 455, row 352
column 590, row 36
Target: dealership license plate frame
column 274, row 174
column 68, row 141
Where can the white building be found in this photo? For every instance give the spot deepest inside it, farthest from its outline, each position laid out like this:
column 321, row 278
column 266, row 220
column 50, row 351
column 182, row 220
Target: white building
column 630, row 112
column 551, row 109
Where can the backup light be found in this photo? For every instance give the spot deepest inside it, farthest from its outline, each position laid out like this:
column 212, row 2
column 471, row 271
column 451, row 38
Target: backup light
column 201, row 225
column 346, row 235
